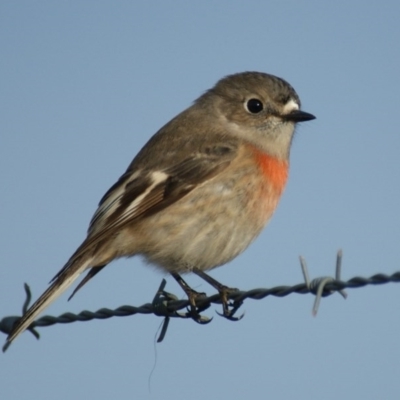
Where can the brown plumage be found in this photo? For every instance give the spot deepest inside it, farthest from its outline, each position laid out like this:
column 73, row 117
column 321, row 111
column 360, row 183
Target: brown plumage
column 199, row 191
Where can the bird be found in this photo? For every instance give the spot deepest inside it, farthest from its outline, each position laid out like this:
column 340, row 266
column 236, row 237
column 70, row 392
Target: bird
column 198, row 193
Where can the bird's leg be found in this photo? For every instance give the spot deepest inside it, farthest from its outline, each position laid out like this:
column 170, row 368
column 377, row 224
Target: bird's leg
column 192, row 295
column 228, row 308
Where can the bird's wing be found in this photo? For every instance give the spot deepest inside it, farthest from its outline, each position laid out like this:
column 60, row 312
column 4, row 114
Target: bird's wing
column 138, row 194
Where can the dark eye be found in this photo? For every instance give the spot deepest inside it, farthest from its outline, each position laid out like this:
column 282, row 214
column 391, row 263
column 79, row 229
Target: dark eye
column 254, row 106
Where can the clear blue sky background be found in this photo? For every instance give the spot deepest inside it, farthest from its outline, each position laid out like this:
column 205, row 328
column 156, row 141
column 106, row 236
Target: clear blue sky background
column 83, row 87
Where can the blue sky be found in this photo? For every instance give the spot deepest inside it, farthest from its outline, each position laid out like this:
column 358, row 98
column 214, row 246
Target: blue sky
column 85, row 84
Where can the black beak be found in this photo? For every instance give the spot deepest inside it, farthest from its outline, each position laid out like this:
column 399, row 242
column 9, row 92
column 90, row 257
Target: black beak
column 298, row 116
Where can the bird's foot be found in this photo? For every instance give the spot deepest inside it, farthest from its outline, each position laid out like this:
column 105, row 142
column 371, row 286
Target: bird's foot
column 194, row 310
column 229, row 307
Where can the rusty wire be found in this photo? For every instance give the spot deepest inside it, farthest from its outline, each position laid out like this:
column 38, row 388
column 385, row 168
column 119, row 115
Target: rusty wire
column 168, row 305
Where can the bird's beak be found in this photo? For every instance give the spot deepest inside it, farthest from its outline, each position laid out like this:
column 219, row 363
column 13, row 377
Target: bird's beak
column 298, row 116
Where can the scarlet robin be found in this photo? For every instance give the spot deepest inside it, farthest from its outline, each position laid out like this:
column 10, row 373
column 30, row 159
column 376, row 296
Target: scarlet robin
column 199, row 192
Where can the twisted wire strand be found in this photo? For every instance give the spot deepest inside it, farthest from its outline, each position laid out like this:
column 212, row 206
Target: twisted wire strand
column 167, row 305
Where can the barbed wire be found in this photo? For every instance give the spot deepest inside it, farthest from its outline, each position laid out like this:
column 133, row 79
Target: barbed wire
column 168, row 305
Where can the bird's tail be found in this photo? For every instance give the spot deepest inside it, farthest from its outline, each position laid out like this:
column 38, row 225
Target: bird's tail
column 67, row 276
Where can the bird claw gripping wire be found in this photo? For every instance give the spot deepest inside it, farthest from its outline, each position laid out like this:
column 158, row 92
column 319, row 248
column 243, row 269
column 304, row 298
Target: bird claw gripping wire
column 161, row 302
column 194, row 310
column 7, row 323
column 230, row 307
column 197, row 305
column 317, row 286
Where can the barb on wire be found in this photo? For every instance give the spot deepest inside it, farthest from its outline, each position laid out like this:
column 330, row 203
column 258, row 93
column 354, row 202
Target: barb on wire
column 317, row 285
column 167, row 305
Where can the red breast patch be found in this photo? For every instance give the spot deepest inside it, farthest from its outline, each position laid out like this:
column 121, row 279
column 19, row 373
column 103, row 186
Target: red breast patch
column 274, row 169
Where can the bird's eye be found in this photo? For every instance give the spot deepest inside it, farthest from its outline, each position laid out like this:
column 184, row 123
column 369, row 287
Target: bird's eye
column 254, row 106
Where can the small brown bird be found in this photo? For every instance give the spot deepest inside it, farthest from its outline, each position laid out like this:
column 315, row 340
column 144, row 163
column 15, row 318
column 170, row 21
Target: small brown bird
column 199, row 192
